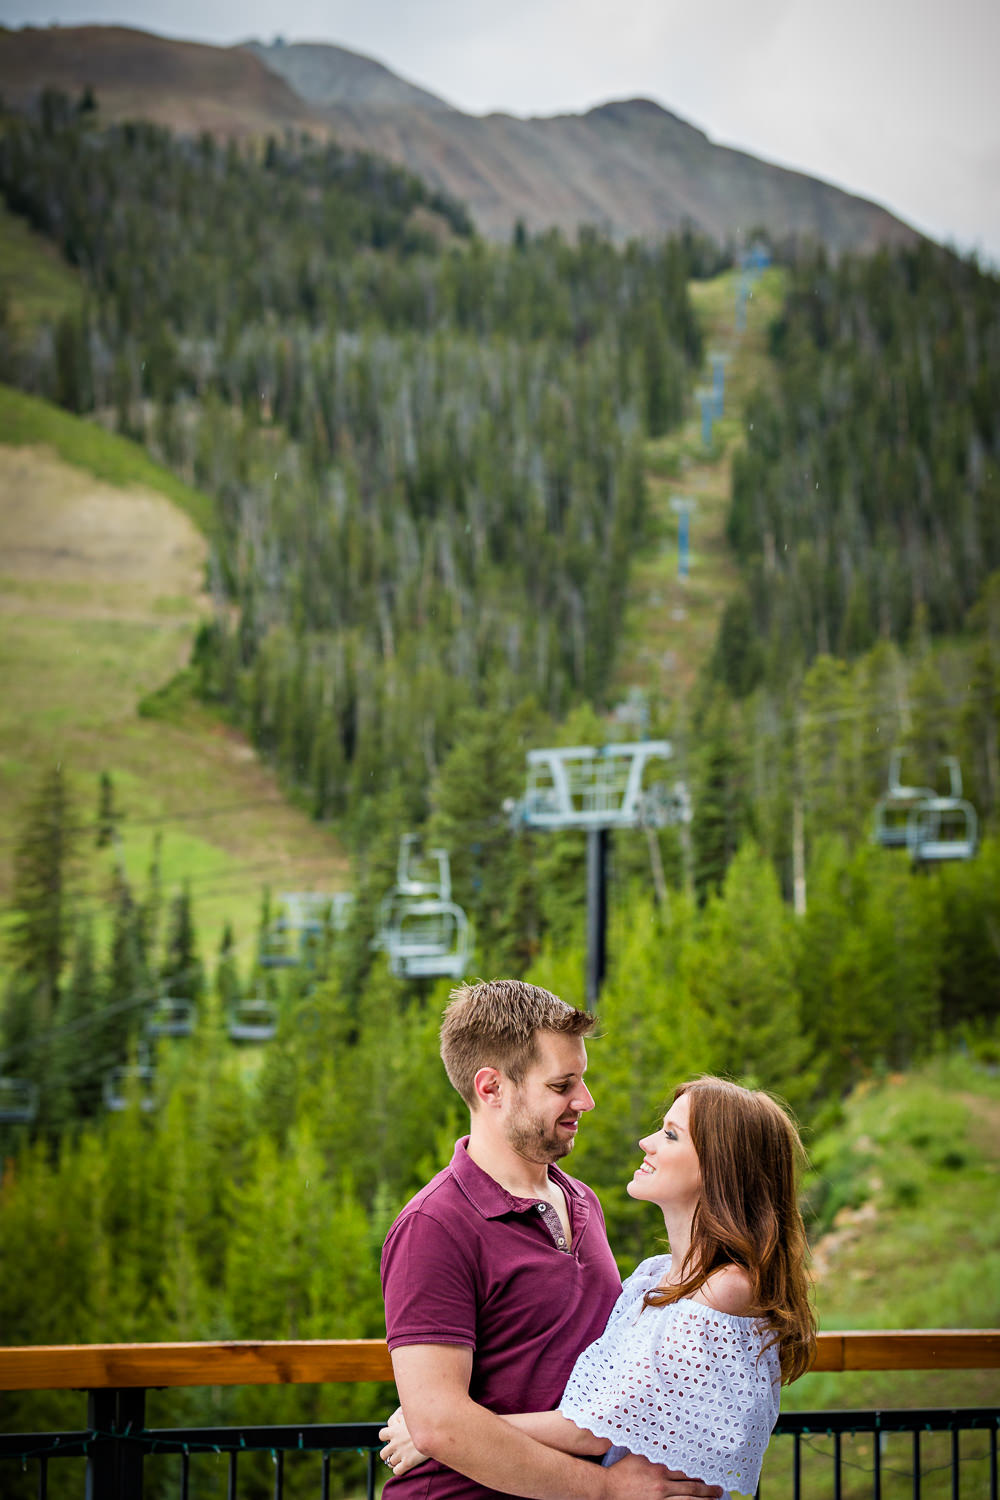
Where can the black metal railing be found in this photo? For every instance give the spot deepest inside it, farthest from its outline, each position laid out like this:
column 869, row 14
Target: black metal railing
column 833, row 1454
column 837, row 1453
column 116, row 1452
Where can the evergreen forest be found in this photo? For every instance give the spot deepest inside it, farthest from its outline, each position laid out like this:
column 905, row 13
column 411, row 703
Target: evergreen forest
column 430, row 469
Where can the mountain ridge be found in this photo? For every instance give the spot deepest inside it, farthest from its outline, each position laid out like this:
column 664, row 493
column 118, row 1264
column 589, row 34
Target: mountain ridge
column 629, row 167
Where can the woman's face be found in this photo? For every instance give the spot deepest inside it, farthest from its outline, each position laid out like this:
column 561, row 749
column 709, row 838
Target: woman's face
column 669, row 1173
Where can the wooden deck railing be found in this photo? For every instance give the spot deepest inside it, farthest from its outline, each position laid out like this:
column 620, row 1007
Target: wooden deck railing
column 117, row 1444
column 318, row 1361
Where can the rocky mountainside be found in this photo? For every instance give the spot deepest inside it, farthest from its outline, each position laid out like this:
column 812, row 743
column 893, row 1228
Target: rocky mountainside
column 630, row 168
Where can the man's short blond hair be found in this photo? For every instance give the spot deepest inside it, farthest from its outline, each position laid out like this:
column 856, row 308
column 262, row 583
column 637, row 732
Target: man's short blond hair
column 494, row 1024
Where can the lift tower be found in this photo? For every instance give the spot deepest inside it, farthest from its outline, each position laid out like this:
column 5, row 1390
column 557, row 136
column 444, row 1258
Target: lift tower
column 597, row 788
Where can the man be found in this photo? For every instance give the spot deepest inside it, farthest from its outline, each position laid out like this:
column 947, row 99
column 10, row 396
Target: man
column 498, row 1273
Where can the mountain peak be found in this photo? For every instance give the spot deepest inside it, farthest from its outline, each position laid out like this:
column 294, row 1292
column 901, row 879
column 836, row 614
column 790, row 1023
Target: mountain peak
column 642, row 113
column 325, row 75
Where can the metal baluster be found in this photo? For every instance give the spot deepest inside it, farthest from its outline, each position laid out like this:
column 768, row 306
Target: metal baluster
column 954, row 1464
column 916, row 1465
column 797, row 1467
column 43, row 1478
column 279, row 1474
column 837, row 1473
column 993, row 1464
column 370, row 1489
column 185, row 1475
column 114, row 1466
column 324, row 1478
column 877, row 1467
column 231, row 1487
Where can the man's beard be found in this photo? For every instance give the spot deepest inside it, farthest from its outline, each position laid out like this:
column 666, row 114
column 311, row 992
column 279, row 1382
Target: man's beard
column 531, row 1138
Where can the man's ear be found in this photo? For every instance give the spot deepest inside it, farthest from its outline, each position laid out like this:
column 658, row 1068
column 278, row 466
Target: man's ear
column 488, row 1085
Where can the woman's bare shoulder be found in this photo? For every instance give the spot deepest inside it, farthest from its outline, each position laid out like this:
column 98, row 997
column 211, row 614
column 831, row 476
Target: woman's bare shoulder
column 728, row 1290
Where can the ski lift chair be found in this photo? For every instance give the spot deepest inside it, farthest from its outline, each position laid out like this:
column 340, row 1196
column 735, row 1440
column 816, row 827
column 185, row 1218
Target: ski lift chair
column 891, row 823
column 18, row 1101
column 431, row 938
column 276, row 948
column 390, row 910
column 253, row 1020
column 415, row 876
column 127, row 1084
column 943, row 828
column 302, row 909
column 171, row 1016
column 341, row 910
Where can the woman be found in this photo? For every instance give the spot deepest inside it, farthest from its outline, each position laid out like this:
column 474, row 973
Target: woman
column 688, row 1370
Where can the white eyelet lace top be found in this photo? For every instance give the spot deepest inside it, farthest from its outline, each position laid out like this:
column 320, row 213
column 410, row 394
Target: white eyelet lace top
column 683, row 1385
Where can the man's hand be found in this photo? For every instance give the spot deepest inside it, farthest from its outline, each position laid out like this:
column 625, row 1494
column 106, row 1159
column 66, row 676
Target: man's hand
column 635, row 1478
column 400, row 1452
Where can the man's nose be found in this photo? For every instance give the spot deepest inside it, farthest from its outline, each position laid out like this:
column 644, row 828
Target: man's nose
column 583, row 1099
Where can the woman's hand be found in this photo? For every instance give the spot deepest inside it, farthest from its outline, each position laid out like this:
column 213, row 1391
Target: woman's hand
column 399, row 1452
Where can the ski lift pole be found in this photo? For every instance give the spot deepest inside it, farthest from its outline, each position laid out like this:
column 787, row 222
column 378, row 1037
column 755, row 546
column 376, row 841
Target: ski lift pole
column 597, row 912
column 682, row 505
column 595, row 788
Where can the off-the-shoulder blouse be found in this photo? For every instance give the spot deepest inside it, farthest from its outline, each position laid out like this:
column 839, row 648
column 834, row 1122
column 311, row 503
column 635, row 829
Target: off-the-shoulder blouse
column 683, row 1385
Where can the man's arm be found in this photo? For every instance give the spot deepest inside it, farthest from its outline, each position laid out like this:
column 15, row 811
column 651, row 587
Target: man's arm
column 443, row 1421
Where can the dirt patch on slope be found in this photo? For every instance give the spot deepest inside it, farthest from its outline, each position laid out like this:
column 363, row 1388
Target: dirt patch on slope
column 101, row 589
column 71, row 544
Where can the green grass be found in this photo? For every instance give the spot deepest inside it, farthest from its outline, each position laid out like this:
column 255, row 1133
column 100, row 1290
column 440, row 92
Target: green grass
column 908, row 1209
column 909, row 1237
column 36, row 284
column 26, row 421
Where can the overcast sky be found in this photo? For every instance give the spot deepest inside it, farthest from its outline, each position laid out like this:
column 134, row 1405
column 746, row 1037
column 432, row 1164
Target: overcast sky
column 892, row 99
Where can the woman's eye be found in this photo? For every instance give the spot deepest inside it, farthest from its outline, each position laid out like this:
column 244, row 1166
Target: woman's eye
column 670, row 1135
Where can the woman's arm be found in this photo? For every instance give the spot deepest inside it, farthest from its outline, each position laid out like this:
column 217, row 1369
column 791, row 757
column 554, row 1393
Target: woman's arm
column 547, row 1427
column 557, row 1431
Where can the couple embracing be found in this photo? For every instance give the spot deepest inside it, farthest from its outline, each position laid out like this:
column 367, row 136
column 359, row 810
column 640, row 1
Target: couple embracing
column 523, row 1365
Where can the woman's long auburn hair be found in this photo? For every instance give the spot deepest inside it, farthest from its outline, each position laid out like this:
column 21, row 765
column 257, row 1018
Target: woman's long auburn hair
column 749, row 1152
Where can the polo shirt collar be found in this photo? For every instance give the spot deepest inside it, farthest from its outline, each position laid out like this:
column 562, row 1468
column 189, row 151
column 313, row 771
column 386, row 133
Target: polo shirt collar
column 485, row 1193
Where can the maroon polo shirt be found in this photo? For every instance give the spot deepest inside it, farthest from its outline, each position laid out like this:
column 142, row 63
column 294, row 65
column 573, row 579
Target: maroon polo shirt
column 466, row 1263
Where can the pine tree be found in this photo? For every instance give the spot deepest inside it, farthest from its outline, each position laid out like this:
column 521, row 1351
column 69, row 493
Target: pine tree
column 227, row 978
column 181, row 972
column 484, row 768
column 108, row 816
column 721, row 810
column 152, row 905
column 128, row 990
column 44, row 878
column 78, row 1063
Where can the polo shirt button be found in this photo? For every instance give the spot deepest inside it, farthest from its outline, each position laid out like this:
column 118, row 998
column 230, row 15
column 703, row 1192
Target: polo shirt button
column 560, row 1241
column 541, row 1208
